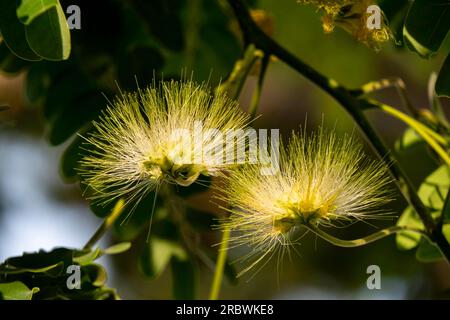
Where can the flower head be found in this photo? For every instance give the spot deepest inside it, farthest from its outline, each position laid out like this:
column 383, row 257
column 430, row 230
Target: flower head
column 353, row 17
column 146, row 138
column 323, row 180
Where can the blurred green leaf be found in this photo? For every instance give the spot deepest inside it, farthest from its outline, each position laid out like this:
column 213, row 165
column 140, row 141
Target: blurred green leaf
column 446, row 231
column 28, row 10
column 411, row 146
column 48, row 272
column 409, row 139
column 48, row 34
column 13, row 32
column 41, row 261
column 52, row 270
column 157, row 254
column 408, row 240
column 443, row 81
column 432, row 192
column 426, row 26
column 428, row 252
column 395, row 12
column 117, row 248
column 435, row 187
column 84, row 258
column 97, row 274
column 16, row 291
column 184, row 279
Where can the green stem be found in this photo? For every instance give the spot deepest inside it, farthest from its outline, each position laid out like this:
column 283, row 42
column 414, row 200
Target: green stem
column 361, row 241
column 107, row 223
column 220, row 265
column 234, row 85
column 254, row 104
column 235, row 81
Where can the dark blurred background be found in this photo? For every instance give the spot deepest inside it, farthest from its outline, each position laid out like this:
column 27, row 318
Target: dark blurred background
column 39, row 210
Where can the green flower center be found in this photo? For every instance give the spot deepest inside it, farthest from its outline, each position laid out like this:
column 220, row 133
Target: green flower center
column 182, row 174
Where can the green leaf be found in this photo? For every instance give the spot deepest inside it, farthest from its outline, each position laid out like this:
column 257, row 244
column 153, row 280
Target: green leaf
column 435, row 187
column 411, row 146
column 67, row 107
column 16, row 291
column 37, row 270
column 117, row 248
column 85, row 258
column 409, row 139
column 408, row 240
column 446, row 231
column 446, row 210
column 392, row 8
column 428, row 252
column 395, row 12
column 426, row 26
column 184, row 279
column 30, row 9
column 432, row 192
column 51, row 264
column 13, row 32
column 157, row 255
column 52, row 270
column 97, row 274
column 443, row 81
column 434, row 102
column 48, row 34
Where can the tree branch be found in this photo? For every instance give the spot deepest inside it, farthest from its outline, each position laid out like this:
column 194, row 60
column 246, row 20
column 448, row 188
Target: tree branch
column 353, row 105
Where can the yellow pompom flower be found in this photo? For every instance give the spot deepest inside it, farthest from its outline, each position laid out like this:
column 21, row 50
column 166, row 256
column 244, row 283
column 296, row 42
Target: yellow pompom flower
column 139, row 142
column 322, row 181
